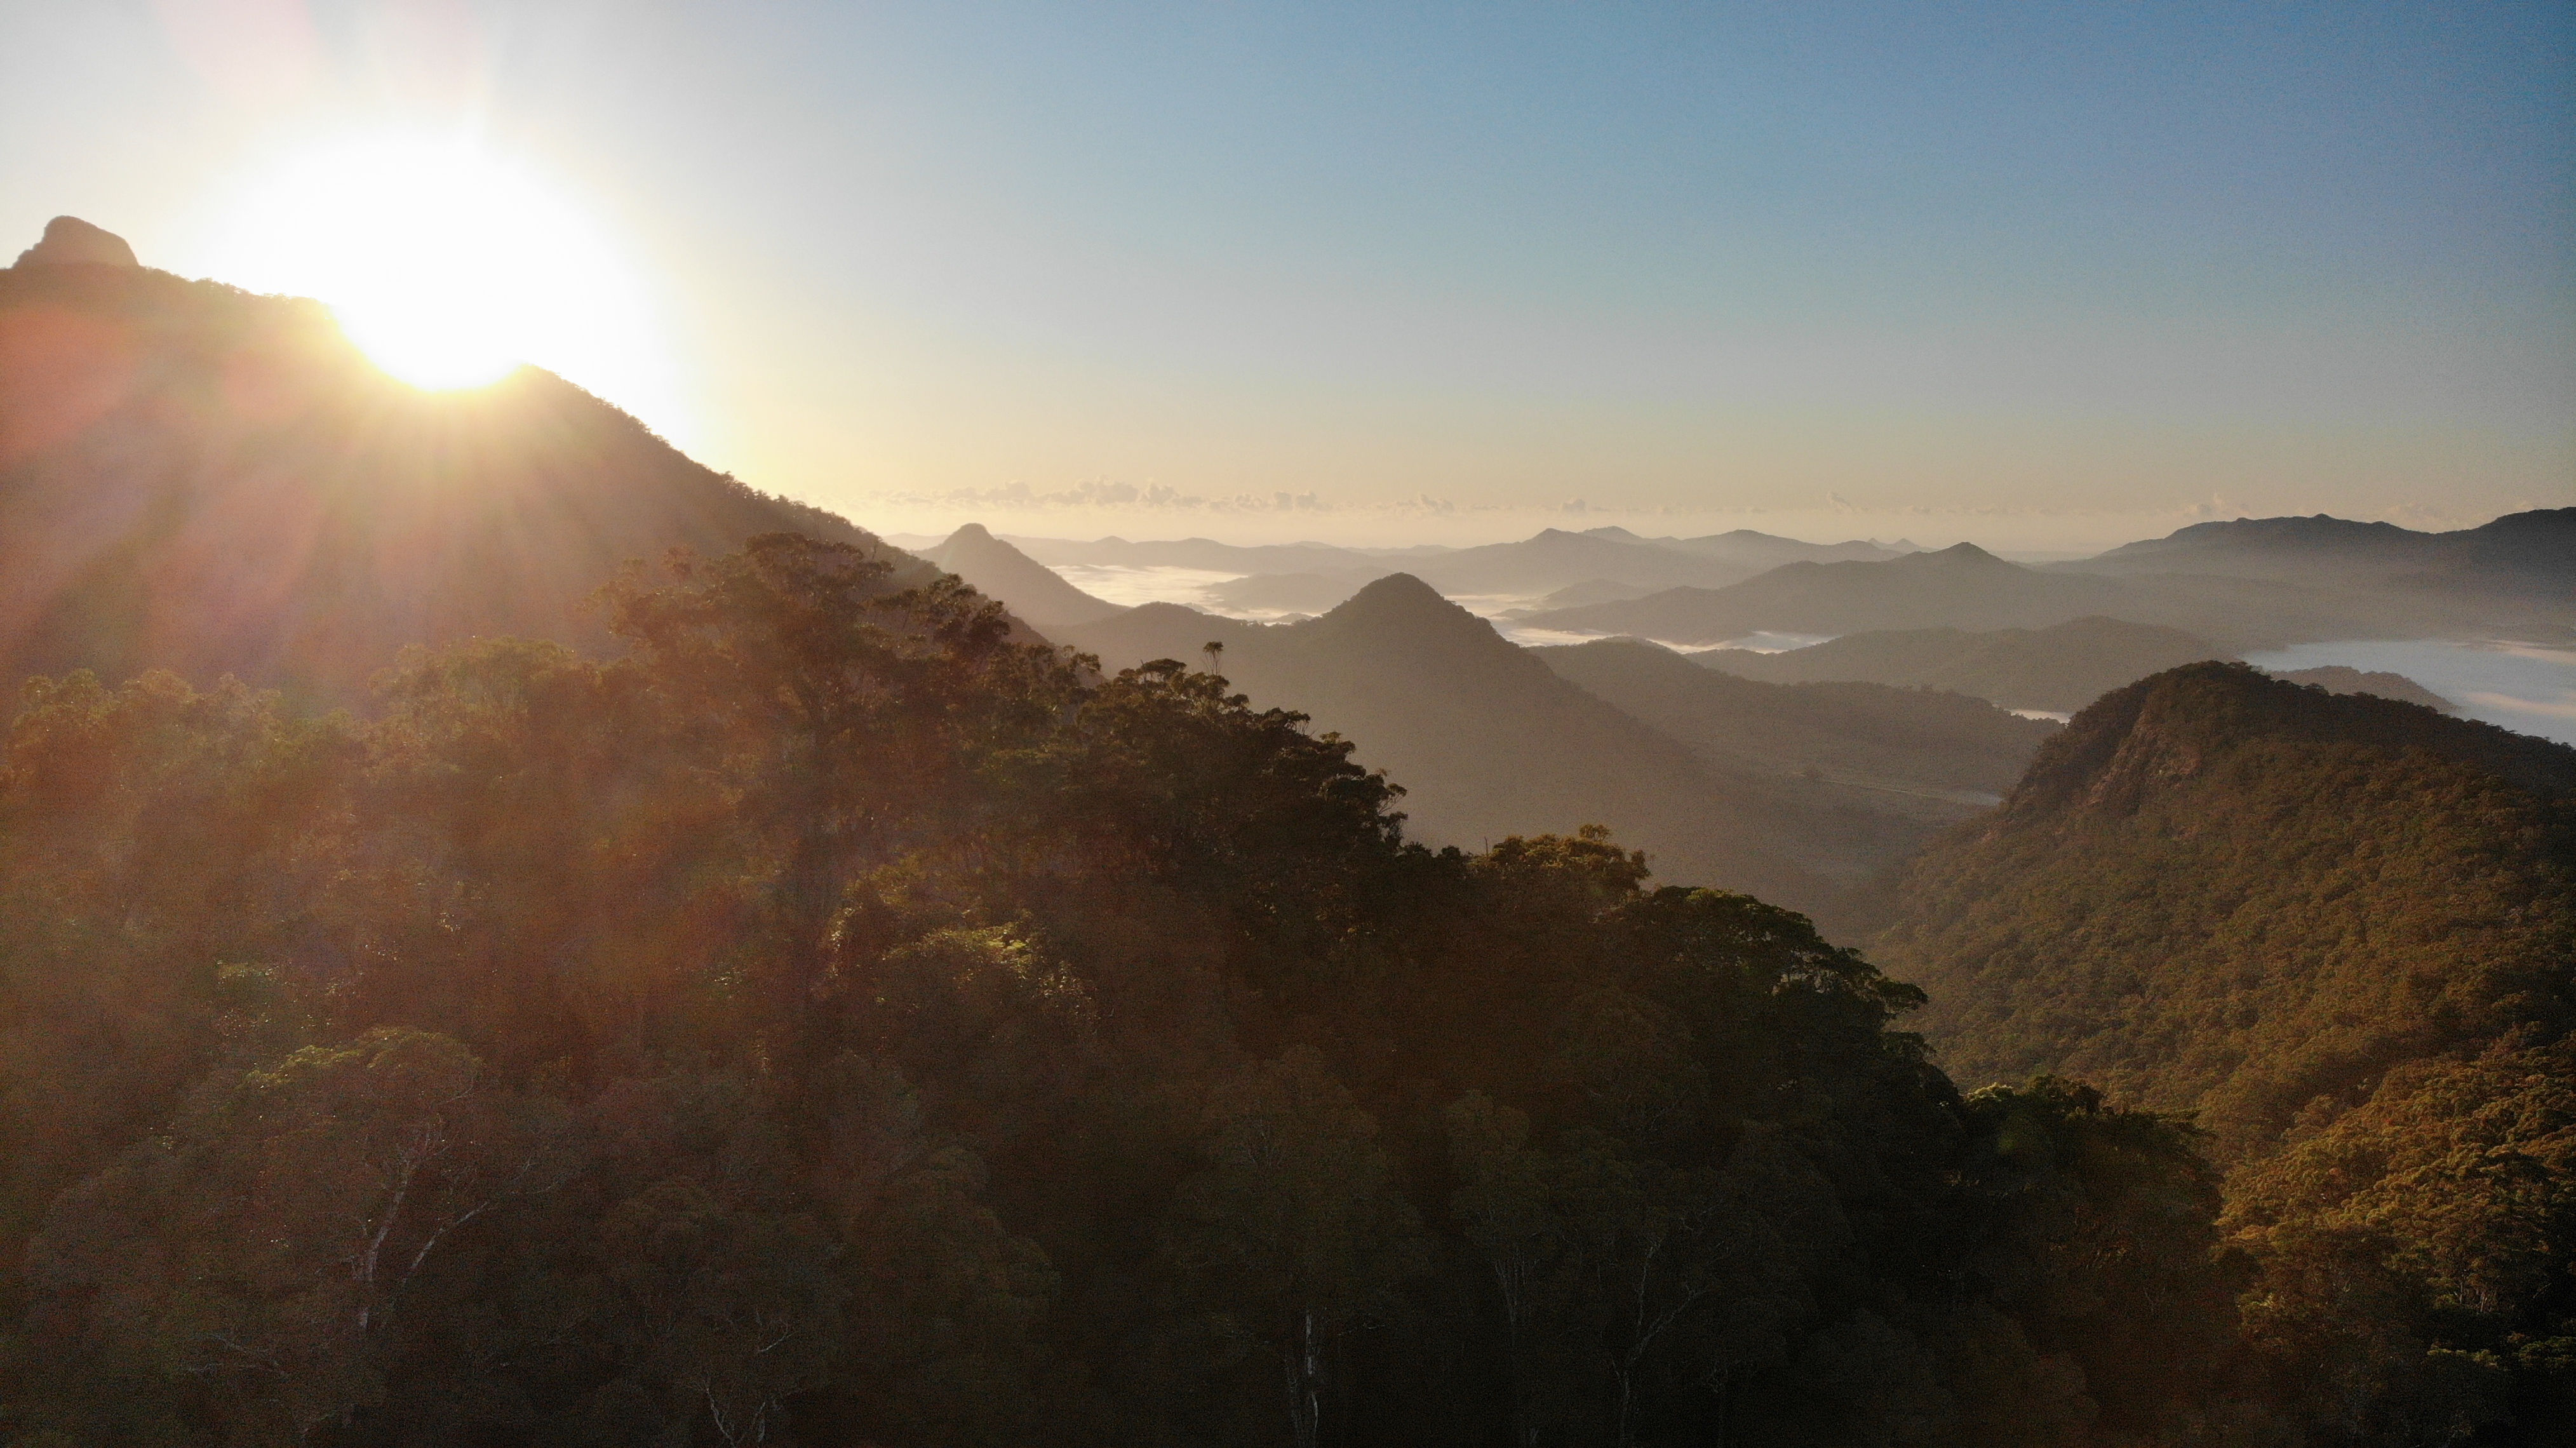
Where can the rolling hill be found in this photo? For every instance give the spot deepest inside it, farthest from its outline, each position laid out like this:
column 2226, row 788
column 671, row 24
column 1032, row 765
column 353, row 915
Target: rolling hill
column 1758, row 551
column 2060, row 668
column 1905, row 743
column 1554, row 558
column 196, row 478
column 1965, row 587
column 2520, row 553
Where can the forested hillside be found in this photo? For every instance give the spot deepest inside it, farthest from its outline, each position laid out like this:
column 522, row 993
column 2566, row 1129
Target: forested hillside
column 196, row 478
column 2341, row 930
column 835, row 1023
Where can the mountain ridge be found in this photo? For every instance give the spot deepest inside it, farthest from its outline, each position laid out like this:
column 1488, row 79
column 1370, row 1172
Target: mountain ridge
column 196, row 478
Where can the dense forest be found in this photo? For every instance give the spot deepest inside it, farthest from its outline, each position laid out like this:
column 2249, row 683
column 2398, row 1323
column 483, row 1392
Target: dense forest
column 2340, row 931
column 834, row 1021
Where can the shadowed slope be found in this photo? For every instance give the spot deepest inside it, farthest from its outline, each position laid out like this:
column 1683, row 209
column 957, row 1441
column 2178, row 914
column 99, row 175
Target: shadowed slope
column 1031, row 589
column 1965, row 587
column 2520, row 553
column 195, row 478
column 2060, row 668
column 1489, row 741
column 1917, row 742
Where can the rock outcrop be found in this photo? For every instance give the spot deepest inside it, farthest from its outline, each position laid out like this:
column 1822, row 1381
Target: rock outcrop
column 71, row 241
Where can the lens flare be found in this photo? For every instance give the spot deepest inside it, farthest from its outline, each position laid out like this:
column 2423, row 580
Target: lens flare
column 449, row 266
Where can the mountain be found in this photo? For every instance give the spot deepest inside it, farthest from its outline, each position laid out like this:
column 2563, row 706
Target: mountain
column 1488, row 741
column 70, row 241
column 1030, row 589
column 2223, row 892
column 2344, row 679
column 1202, row 553
column 1908, row 743
column 1577, row 595
column 196, row 478
column 1758, row 551
column 1965, row 587
column 2532, row 552
column 2341, row 931
column 1554, row 558
column 2058, row 669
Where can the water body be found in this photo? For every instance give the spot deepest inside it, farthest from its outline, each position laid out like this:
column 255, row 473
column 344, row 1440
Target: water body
column 2528, row 688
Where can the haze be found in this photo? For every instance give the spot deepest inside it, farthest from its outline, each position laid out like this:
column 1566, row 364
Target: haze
column 2051, row 279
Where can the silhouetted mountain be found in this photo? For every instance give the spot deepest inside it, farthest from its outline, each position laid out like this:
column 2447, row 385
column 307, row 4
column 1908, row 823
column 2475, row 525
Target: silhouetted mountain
column 70, row 241
column 1489, row 741
column 1196, row 553
column 1554, row 559
column 1965, row 587
column 2344, row 679
column 2060, row 668
column 2533, row 552
column 196, row 478
column 1916, row 743
column 2223, row 892
column 1030, row 589
column 1759, row 551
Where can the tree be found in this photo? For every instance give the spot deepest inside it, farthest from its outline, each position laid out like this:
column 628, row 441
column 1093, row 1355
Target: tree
column 1296, row 1227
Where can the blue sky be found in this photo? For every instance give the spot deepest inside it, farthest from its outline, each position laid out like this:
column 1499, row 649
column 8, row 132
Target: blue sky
column 2038, row 274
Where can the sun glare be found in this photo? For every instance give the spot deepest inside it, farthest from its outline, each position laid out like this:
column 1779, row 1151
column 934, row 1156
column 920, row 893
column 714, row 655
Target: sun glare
column 449, row 266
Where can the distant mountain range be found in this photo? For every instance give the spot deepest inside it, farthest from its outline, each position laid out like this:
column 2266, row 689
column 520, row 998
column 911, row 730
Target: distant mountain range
column 2343, row 679
column 1965, row 587
column 199, row 479
column 1490, row 739
column 2059, row 669
column 2520, row 553
column 1911, row 744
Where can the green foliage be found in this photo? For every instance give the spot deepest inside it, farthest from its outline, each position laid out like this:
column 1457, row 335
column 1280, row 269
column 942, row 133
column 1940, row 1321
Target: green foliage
column 835, row 1022
column 2336, row 931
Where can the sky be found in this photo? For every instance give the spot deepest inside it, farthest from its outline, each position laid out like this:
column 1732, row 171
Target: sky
column 2043, row 276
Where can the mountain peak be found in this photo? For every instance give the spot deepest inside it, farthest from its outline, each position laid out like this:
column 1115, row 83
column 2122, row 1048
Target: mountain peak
column 1957, row 555
column 1401, row 606
column 68, row 240
column 1397, row 592
column 971, row 533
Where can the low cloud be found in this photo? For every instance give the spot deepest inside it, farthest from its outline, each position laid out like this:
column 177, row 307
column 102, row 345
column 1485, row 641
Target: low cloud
column 1156, row 498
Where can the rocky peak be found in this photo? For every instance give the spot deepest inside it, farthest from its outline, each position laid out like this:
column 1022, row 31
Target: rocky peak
column 71, row 241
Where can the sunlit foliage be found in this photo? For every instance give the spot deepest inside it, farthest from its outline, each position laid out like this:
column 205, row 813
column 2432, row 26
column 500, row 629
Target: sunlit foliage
column 834, row 1022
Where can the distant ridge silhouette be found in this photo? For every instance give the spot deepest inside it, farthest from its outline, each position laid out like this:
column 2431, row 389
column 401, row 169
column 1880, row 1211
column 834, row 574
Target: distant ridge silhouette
column 199, row 479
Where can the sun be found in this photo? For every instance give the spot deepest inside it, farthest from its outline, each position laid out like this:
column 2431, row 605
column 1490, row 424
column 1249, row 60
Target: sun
column 448, row 265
